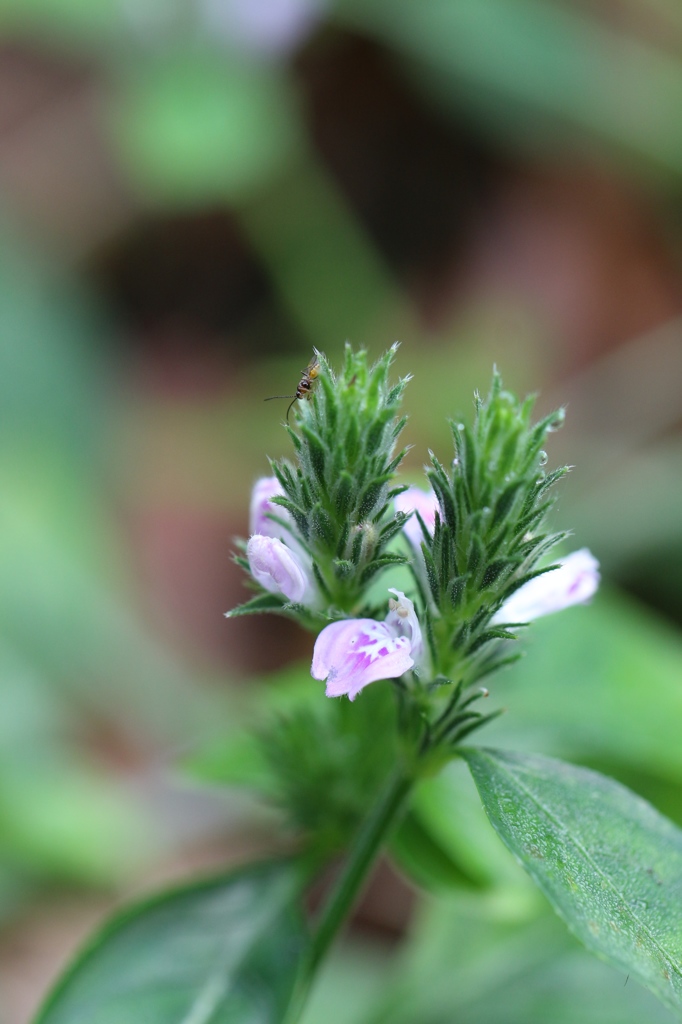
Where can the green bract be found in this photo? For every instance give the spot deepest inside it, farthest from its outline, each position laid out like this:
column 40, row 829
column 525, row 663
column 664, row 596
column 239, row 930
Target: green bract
column 490, row 531
column 339, row 492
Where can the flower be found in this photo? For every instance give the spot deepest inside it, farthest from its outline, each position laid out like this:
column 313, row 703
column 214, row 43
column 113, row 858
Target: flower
column 423, row 502
column 402, row 621
column 279, row 570
column 264, row 490
column 574, row 582
column 352, row 653
column 277, row 559
column 263, row 26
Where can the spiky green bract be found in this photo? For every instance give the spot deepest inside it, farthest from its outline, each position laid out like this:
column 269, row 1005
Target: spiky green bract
column 490, row 533
column 340, row 489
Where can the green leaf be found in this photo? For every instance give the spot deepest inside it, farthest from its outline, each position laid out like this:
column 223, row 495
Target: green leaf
column 608, row 862
column 222, row 951
column 619, row 661
column 261, row 603
column 449, row 809
column 429, row 863
column 499, row 958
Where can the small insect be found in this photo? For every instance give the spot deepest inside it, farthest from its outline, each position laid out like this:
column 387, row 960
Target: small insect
column 305, row 385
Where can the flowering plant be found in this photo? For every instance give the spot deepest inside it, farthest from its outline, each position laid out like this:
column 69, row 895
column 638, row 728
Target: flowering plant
column 415, row 596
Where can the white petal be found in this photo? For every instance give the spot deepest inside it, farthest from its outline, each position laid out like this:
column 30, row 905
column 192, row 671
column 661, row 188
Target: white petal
column 574, row 582
column 402, row 621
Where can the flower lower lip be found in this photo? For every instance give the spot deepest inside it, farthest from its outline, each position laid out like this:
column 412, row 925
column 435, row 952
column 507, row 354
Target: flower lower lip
column 352, row 653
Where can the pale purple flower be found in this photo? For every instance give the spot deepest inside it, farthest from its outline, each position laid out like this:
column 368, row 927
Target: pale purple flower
column 574, row 582
column 278, row 569
column 263, row 509
column 402, row 621
column 352, row 653
column 263, row 26
column 282, row 565
column 264, row 490
column 423, row 502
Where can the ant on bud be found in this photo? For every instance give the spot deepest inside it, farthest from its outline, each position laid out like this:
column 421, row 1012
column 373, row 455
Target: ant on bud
column 305, row 385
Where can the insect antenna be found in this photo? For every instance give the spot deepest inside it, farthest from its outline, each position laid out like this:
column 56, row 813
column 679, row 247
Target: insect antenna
column 295, row 397
column 292, row 397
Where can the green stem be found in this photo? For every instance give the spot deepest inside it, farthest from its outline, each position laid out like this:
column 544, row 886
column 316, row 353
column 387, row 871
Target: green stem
column 349, row 884
column 360, row 860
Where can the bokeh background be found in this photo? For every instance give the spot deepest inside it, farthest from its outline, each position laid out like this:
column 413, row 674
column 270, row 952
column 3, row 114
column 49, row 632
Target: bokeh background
column 193, row 193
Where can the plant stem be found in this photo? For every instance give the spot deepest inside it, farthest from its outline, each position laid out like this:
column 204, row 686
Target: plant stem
column 348, row 886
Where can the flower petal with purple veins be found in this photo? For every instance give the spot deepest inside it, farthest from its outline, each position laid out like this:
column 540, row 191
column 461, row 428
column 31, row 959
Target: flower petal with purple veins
column 574, row 582
column 352, row 653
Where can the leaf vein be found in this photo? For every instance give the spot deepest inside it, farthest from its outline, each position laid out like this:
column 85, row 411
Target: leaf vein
column 676, row 967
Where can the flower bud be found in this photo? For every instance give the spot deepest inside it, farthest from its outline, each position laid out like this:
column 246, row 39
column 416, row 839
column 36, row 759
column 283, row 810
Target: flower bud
column 574, row 582
column 278, row 569
column 264, row 490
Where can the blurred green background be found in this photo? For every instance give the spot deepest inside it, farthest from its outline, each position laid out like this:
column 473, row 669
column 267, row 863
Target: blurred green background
column 192, row 194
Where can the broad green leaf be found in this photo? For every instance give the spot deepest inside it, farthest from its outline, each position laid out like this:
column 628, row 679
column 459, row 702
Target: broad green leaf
column 615, row 658
column 500, row 957
column 609, row 863
column 428, row 862
column 448, row 808
column 223, row 952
